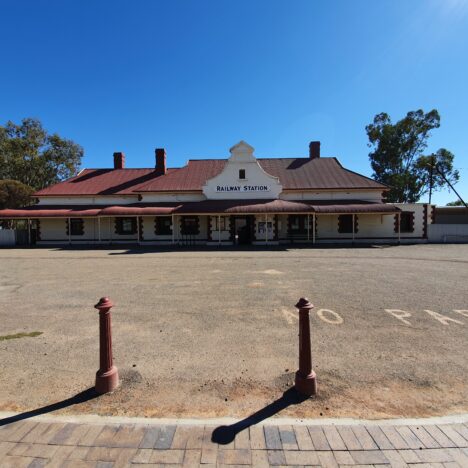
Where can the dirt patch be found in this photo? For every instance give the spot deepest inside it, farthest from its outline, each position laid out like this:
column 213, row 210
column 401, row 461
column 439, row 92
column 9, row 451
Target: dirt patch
column 242, row 397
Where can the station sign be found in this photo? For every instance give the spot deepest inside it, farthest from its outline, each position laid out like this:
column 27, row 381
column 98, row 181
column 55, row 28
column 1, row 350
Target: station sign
column 242, row 188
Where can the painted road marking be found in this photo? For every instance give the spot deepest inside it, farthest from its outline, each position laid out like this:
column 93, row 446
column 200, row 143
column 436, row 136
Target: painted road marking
column 336, row 320
column 442, row 318
column 333, row 317
column 400, row 315
column 290, row 316
column 463, row 312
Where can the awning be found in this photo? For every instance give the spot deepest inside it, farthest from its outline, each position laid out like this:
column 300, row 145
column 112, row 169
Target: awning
column 140, row 209
column 82, row 211
column 353, row 206
column 242, row 206
column 201, row 207
column 43, row 211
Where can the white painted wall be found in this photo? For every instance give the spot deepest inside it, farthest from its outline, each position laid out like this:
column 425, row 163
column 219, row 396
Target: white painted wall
column 373, row 225
column 203, row 229
column 447, row 233
column 365, row 195
column 149, row 230
column 97, row 200
column 418, row 209
column 55, row 229
column 172, row 197
column 369, row 226
column 242, row 158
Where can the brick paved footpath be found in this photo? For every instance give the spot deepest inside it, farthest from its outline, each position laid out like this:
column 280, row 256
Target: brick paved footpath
column 55, row 442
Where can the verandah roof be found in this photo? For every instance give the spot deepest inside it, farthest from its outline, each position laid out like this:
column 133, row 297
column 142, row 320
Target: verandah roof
column 201, row 207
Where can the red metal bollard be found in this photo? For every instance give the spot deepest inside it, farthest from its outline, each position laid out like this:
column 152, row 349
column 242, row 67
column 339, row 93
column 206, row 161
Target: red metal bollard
column 305, row 381
column 107, row 377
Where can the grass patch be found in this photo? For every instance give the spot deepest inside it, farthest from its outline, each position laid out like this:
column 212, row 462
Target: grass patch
column 19, row 335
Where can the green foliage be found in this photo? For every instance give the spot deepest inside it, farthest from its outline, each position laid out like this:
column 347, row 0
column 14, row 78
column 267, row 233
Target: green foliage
column 14, row 194
column 397, row 158
column 32, row 156
column 455, row 203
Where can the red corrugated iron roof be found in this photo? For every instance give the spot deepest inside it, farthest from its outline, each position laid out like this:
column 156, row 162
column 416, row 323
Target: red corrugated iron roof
column 319, row 173
column 191, row 177
column 102, row 182
column 293, row 173
column 201, row 207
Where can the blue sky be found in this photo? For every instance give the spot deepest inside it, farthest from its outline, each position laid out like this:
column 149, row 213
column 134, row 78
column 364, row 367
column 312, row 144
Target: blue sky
column 196, row 77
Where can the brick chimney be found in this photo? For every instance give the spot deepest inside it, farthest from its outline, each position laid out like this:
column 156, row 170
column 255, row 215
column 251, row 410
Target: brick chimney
column 160, row 161
column 314, row 149
column 119, row 160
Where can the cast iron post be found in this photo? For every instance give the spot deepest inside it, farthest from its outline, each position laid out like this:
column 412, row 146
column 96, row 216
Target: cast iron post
column 107, row 377
column 305, row 382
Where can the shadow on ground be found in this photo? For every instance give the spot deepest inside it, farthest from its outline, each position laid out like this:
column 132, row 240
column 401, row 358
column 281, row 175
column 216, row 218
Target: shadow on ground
column 81, row 397
column 132, row 249
column 224, row 435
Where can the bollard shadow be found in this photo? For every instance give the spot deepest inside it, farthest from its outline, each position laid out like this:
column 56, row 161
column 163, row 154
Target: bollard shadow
column 81, row 397
column 224, row 435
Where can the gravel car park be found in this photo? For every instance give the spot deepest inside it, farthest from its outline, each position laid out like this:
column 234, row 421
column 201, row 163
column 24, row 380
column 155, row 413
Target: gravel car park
column 214, row 332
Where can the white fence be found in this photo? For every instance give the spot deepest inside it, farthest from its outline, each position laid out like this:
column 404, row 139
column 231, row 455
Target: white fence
column 7, row 237
column 447, row 233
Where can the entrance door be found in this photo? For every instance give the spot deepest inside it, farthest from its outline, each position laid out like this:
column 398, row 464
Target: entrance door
column 243, row 229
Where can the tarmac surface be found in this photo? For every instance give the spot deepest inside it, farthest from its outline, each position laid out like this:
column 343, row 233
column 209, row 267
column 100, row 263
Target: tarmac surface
column 213, row 333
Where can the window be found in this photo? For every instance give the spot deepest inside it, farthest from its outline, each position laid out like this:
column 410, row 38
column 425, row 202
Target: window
column 125, row 226
column 223, row 223
column 190, row 225
column 163, row 225
column 76, row 227
column 297, row 224
column 241, row 173
column 406, row 221
column 345, row 224
column 262, row 226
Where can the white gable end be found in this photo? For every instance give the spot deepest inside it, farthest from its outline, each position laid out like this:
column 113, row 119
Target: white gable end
column 242, row 178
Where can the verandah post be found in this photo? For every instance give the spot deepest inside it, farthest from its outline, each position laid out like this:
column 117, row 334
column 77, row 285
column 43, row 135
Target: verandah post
column 313, row 228
column 399, row 227
column 172, row 228
column 138, row 229
column 353, row 226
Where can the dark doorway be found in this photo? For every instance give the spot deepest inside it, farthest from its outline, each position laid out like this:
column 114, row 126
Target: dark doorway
column 243, row 229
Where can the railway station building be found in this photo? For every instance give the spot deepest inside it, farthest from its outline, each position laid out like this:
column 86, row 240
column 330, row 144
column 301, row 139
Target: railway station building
column 234, row 201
